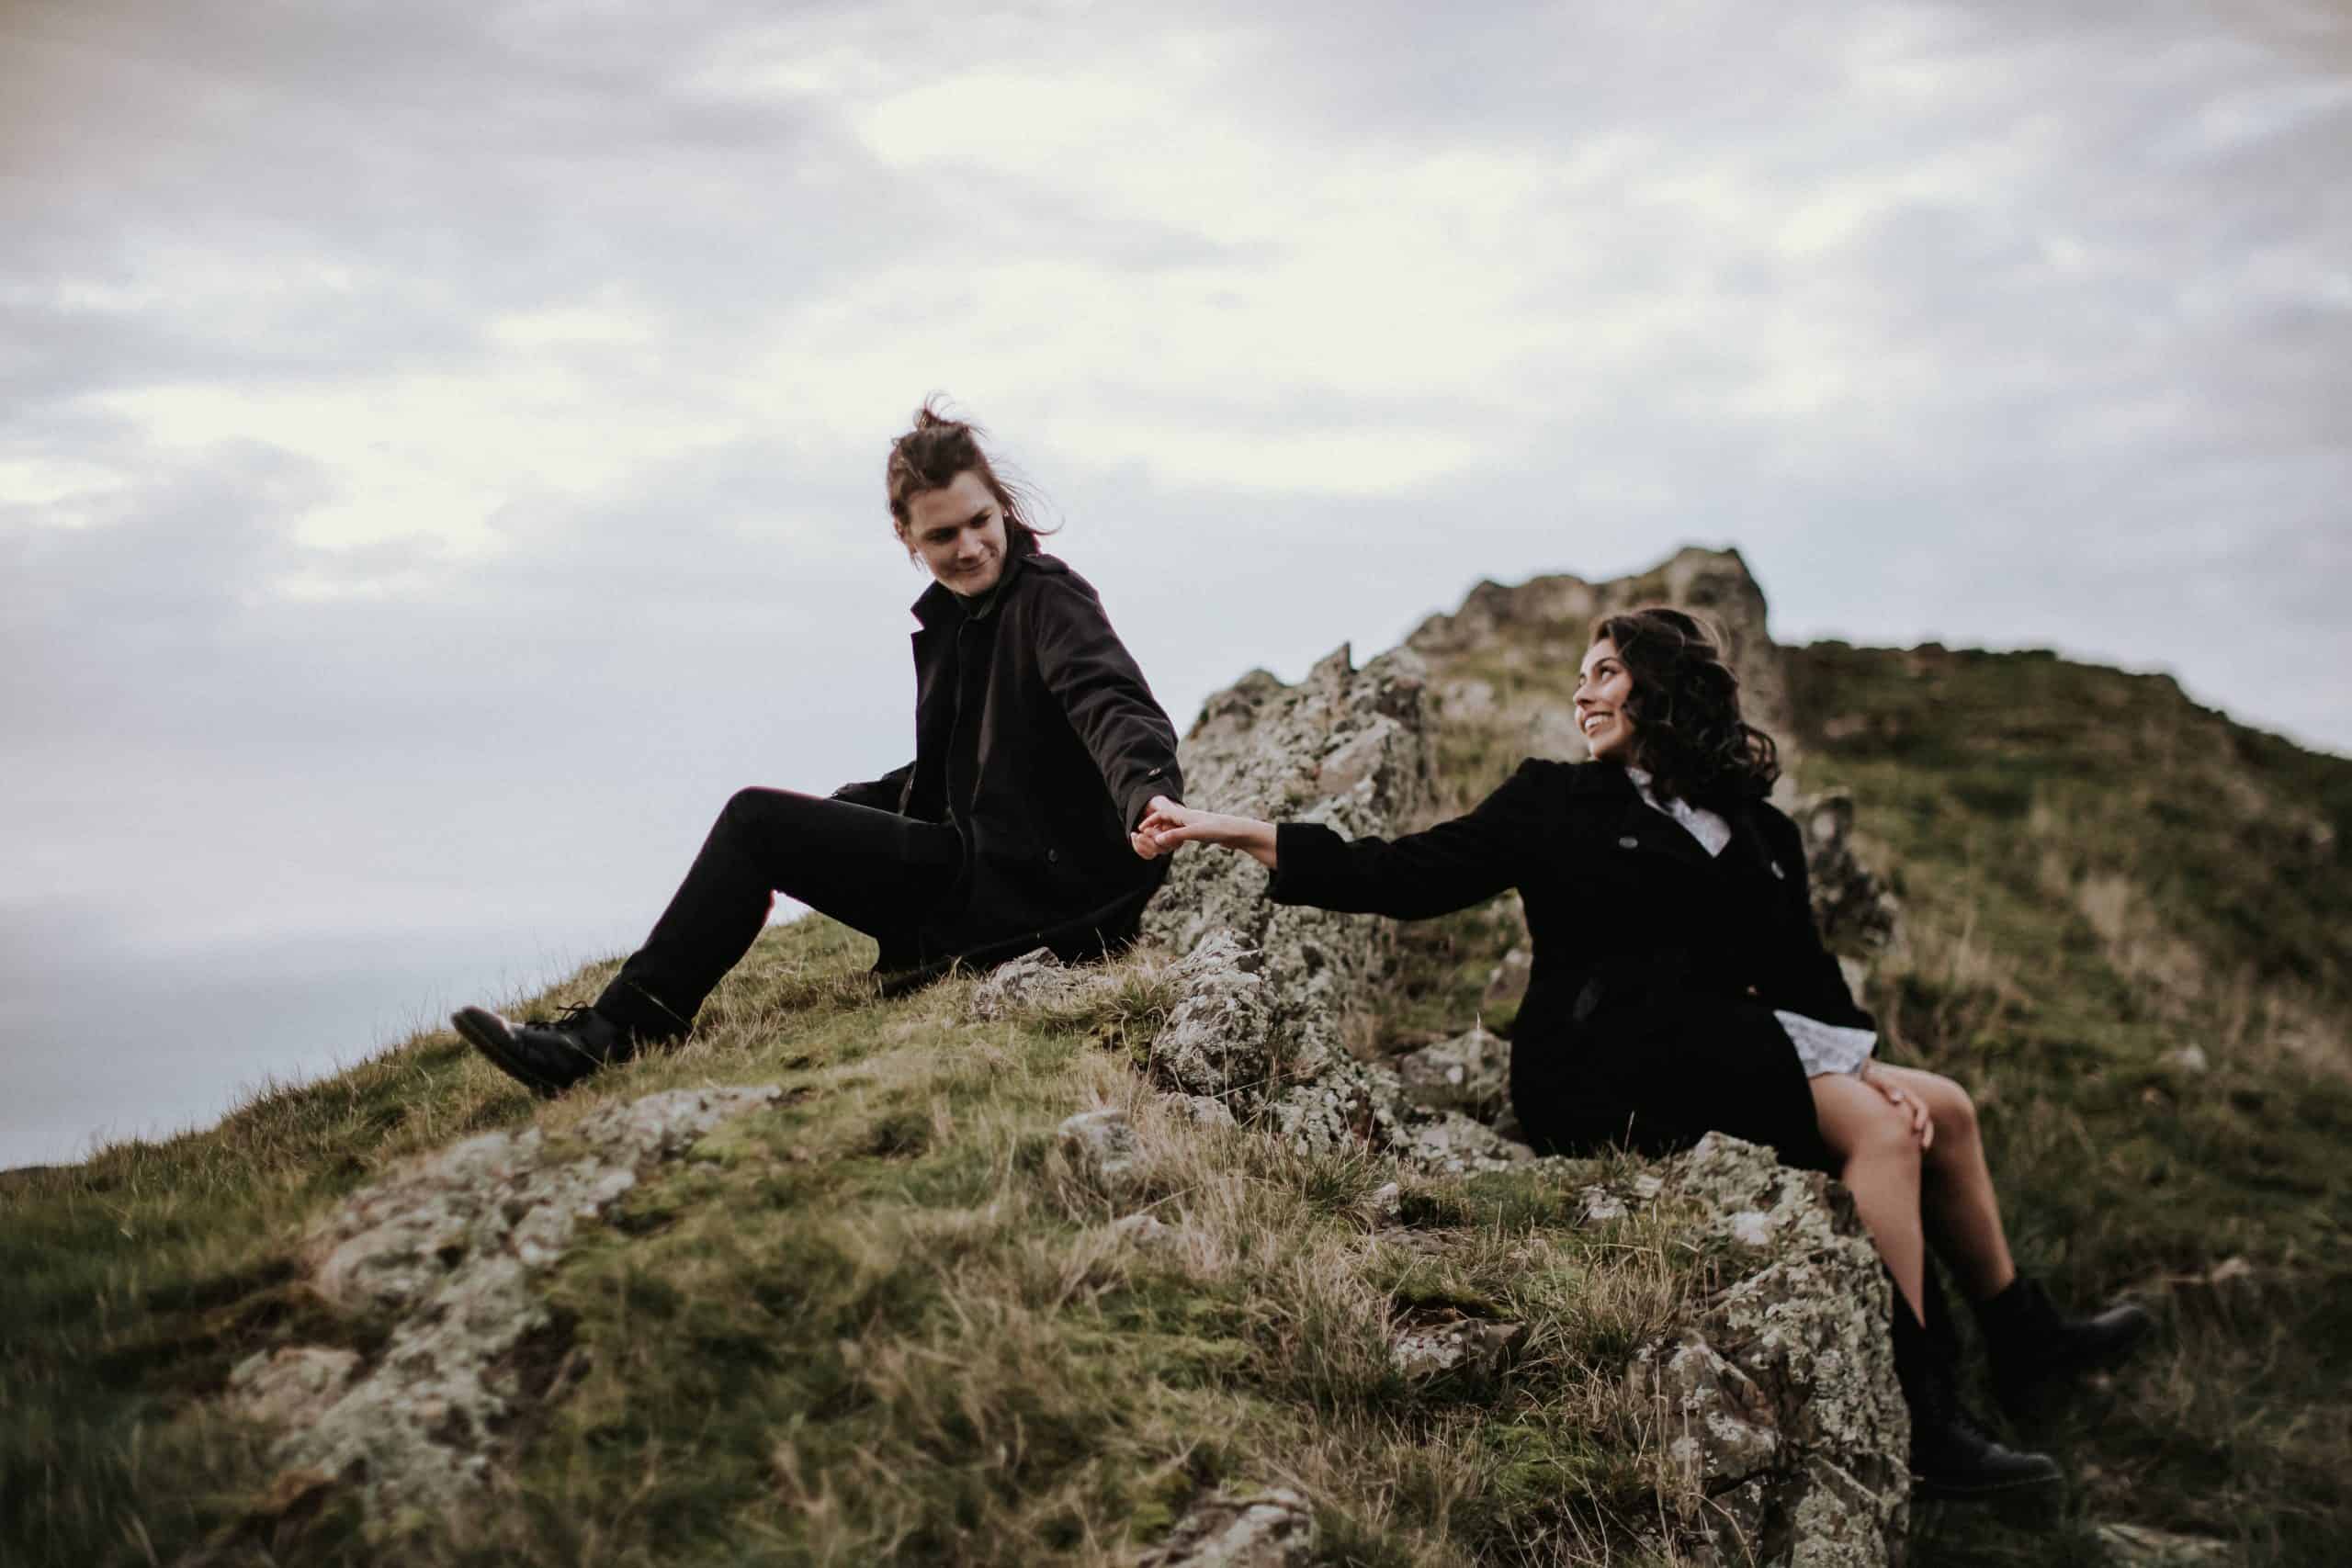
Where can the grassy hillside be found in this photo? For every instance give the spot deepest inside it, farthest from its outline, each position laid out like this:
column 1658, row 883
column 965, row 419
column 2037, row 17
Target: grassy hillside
column 887, row 1324
column 2102, row 879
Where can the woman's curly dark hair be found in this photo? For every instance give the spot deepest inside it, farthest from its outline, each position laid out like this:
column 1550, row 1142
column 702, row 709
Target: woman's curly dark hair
column 1688, row 735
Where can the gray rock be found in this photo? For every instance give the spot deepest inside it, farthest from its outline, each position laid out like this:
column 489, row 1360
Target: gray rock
column 1102, row 1144
column 1205, row 1110
column 1447, row 1143
column 1470, row 1073
column 1272, row 1528
column 1808, row 1443
column 1856, row 911
column 1222, row 1040
column 1038, row 983
column 1721, row 1428
column 291, row 1387
column 1344, row 747
column 1475, row 1346
column 452, row 1245
column 1543, row 623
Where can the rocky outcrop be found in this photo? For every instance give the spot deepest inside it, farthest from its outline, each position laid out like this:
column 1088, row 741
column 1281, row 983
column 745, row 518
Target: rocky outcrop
column 1857, row 915
column 451, row 1249
column 1789, row 1435
column 1542, row 626
column 1470, row 1073
column 1345, row 746
column 1779, row 1397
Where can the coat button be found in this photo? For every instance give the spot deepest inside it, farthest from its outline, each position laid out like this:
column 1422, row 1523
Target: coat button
column 1054, row 857
column 1629, row 842
column 1778, row 872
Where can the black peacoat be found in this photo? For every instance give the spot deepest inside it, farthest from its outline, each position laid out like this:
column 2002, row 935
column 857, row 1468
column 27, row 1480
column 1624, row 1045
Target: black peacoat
column 1038, row 737
column 1657, row 967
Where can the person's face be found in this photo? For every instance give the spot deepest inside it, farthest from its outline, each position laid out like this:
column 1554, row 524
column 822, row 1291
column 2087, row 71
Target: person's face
column 958, row 530
column 1603, row 685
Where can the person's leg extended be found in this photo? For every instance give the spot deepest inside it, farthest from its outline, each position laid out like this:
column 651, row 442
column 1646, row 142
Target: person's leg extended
column 2030, row 1341
column 873, row 869
column 1879, row 1160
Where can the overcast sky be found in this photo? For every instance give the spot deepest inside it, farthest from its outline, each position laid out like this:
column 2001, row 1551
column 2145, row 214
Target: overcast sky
column 440, row 443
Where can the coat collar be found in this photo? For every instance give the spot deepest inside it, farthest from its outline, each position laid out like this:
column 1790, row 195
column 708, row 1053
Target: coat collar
column 936, row 606
column 1655, row 830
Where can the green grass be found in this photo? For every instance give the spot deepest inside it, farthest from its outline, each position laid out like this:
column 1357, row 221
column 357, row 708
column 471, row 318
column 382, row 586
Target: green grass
column 889, row 1321
column 886, row 1322
column 2097, row 872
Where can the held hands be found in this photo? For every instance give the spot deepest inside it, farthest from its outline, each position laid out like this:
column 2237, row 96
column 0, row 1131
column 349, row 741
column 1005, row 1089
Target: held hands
column 1169, row 824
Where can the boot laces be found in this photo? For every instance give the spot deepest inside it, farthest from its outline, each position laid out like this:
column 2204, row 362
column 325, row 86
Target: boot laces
column 572, row 1020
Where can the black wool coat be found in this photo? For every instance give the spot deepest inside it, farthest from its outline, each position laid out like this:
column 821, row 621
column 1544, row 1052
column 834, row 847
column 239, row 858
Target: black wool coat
column 1657, row 967
column 1038, row 737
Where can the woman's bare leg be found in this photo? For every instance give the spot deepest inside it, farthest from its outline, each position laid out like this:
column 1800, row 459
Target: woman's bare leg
column 1961, row 1208
column 1880, row 1164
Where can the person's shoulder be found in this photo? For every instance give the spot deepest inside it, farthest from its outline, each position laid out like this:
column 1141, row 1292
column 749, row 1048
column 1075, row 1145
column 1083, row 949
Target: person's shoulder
column 1547, row 784
column 1051, row 580
column 1586, row 778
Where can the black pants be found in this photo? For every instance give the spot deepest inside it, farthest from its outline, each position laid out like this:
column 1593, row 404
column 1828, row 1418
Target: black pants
column 873, row 869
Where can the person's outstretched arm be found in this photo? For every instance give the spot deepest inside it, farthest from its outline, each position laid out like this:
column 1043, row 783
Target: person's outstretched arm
column 883, row 794
column 1448, row 868
column 1104, row 696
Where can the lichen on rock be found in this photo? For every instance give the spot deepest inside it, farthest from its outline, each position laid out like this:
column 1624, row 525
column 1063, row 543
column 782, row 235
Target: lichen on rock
column 1269, row 1529
column 1781, row 1395
column 451, row 1247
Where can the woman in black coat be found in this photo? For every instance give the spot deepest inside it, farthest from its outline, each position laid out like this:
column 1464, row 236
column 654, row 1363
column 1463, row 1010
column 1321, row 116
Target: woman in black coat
column 1681, row 985
column 1038, row 748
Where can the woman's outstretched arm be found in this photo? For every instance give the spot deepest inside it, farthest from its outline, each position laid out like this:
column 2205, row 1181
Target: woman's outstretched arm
column 1448, row 868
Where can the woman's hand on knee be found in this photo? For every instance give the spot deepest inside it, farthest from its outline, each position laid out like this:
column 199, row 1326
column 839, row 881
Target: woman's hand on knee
column 1923, row 1124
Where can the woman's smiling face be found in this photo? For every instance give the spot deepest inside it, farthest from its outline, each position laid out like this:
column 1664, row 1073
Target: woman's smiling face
column 1603, row 687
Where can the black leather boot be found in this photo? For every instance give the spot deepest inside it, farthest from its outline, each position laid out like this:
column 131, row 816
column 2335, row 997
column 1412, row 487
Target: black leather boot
column 545, row 1055
column 2031, row 1344
column 1953, row 1457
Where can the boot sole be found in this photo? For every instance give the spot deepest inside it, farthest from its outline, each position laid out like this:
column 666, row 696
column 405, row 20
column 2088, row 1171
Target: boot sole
column 481, row 1030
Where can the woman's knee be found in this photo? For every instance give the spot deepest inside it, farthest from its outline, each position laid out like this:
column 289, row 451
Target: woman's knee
column 1886, row 1140
column 1949, row 1104
column 1859, row 1125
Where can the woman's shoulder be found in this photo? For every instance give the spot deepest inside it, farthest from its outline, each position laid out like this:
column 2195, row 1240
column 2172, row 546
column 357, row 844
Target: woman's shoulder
column 1774, row 822
column 1563, row 786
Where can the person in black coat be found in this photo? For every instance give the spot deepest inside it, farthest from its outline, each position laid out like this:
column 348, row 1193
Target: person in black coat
column 1038, row 750
column 1679, row 985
